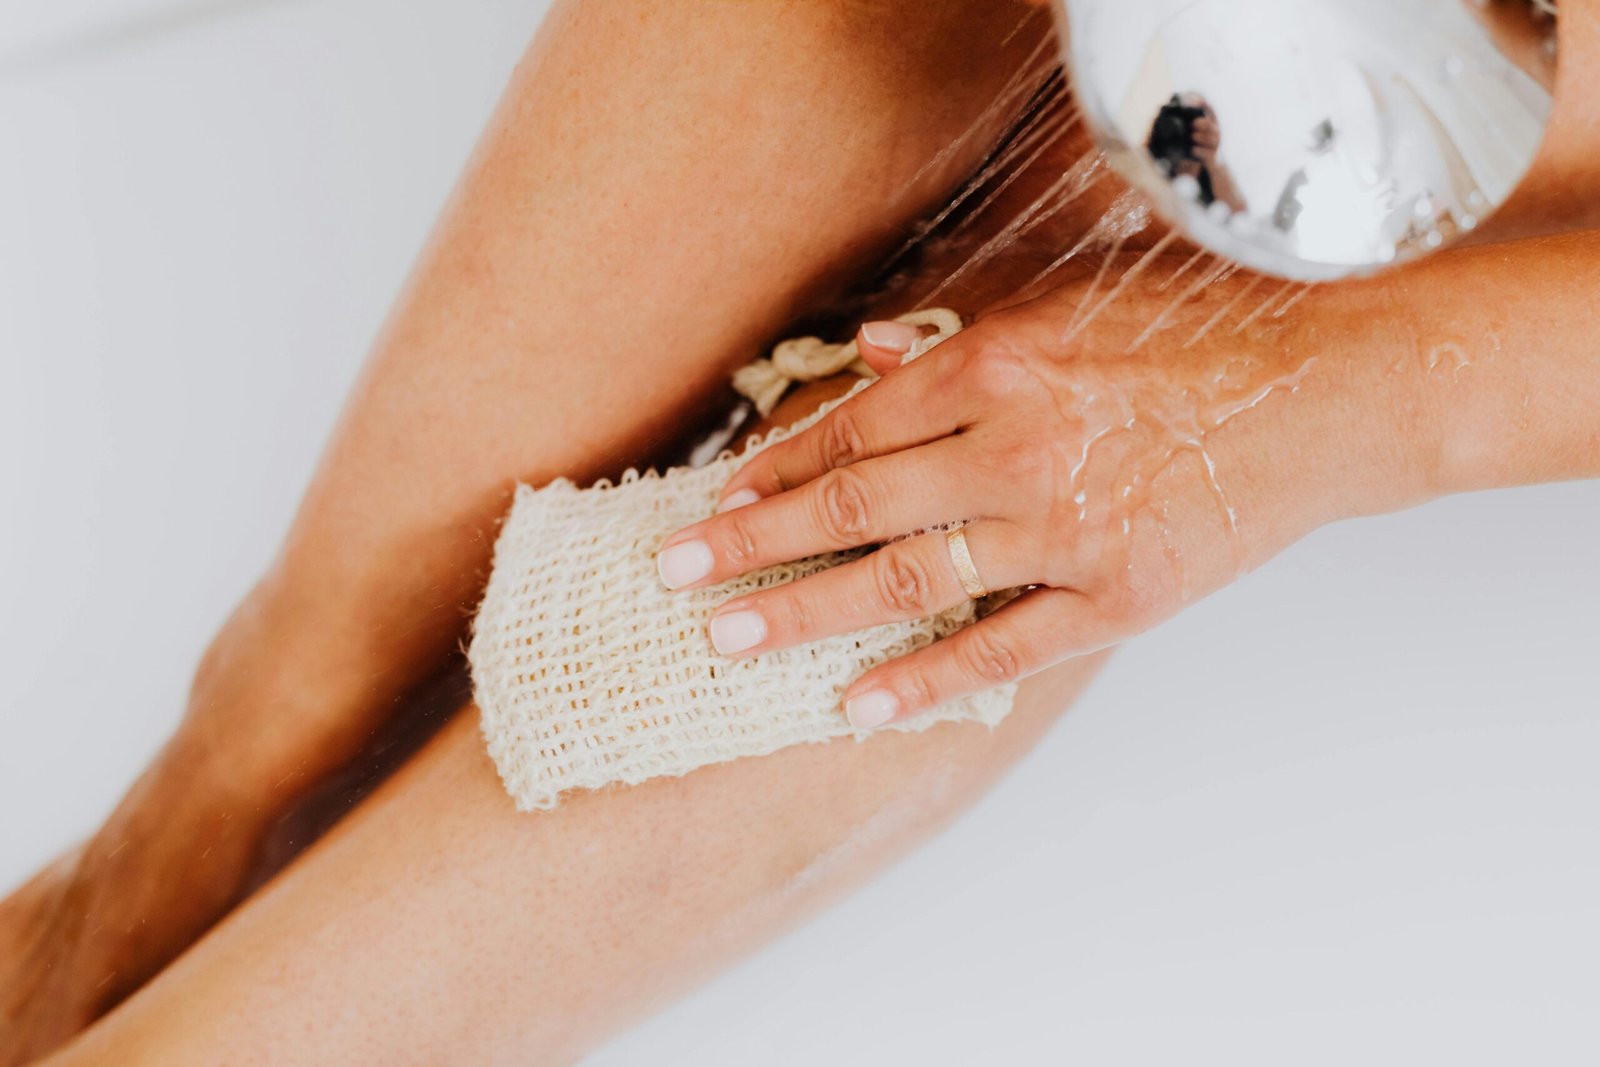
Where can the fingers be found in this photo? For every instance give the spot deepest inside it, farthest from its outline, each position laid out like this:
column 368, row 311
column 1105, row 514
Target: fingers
column 862, row 504
column 904, row 409
column 1038, row 629
column 883, row 344
column 909, row 579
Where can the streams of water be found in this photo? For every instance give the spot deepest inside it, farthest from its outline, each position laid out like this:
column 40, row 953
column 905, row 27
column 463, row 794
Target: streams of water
column 1077, row 180
column 1137, row 407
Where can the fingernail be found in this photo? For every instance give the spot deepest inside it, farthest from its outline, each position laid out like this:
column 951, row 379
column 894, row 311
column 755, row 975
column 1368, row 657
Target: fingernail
column 871, row 709
column 737, row 631
column 685, row 563
column 738, row 500
column 890, row 336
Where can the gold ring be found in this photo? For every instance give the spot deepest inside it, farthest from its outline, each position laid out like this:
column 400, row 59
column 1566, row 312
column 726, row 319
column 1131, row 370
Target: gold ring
column 961, row 559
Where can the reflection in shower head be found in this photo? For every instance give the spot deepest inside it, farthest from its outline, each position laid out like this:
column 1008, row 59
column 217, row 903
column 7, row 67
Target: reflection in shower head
column 1316, row 138
column 1185, row 142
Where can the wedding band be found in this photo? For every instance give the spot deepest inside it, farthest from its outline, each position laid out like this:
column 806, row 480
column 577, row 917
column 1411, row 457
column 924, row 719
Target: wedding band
column 961, row 559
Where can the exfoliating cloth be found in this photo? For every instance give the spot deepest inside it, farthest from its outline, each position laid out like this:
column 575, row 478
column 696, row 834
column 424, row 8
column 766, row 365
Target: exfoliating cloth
column 588, row 672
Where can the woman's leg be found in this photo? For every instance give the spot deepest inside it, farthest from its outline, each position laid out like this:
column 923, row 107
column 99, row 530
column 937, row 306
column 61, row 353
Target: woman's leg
column 438, row 925
column 664, row 185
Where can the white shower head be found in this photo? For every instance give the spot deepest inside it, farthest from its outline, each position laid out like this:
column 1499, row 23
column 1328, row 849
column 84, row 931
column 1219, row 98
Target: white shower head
column 1316, row 139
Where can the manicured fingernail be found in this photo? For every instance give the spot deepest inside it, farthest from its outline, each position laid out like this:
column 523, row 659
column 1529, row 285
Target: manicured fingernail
column 871, row 709
column 737, row 631
column 685, row 563
column 738, row 500
column 890, row 336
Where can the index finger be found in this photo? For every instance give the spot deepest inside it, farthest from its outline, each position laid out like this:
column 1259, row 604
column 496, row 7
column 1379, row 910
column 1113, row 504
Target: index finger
column 909, row 407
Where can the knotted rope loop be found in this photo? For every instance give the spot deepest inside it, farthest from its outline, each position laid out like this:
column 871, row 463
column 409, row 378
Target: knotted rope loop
column 807, row 359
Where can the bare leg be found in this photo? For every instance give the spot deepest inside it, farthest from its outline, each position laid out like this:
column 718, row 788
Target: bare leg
column 322, row 649
column 437, row 925
column 662, row 188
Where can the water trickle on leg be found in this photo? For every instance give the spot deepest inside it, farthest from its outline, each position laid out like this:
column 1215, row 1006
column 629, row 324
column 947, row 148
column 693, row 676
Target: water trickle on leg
column 1077, row 180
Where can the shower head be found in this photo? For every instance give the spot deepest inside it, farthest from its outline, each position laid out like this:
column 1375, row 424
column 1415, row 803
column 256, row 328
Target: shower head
column 1316, row 139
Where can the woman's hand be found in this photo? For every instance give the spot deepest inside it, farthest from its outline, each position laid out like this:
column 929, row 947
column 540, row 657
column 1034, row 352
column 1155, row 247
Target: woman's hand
column 1117, row 485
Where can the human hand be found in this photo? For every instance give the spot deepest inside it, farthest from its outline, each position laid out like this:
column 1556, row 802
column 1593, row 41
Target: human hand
column 1206, row 138
column 1115, row 485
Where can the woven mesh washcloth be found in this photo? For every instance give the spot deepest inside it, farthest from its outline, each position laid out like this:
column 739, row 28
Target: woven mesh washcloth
column 588, row 672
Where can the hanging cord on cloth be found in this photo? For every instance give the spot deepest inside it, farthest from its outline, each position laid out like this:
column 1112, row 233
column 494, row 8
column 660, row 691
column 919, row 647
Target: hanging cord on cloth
column 807, row 359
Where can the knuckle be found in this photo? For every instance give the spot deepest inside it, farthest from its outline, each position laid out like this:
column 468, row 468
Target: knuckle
column 904, row 584
column 914, row 691
column 738, row 544
column 998, row 369
column 791, row 610
column 987, row 659
column 765, row 472
column 842, row 507
column 840, row 439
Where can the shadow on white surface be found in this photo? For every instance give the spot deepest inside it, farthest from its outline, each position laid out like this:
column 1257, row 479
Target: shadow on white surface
column 39, row 36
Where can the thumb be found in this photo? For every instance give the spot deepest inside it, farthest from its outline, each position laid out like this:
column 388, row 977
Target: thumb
column 883, row 343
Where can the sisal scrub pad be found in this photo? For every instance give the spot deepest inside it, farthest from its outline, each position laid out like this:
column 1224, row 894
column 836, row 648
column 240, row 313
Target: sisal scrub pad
column 588, row 672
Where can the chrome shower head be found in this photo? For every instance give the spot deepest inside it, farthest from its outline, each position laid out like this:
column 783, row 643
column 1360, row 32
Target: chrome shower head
column 1316, row 139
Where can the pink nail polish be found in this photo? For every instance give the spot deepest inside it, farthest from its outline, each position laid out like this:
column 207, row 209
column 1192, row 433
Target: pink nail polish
column 737, row 631
column 740, row 499
column 890, row 336
column 682, row 564
column 872, row 709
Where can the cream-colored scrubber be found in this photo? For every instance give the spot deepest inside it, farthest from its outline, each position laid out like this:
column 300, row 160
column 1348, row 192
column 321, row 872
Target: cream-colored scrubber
column 588, row 672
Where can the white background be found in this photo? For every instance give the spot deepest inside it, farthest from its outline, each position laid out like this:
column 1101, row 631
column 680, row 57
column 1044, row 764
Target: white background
column 1346, row 811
